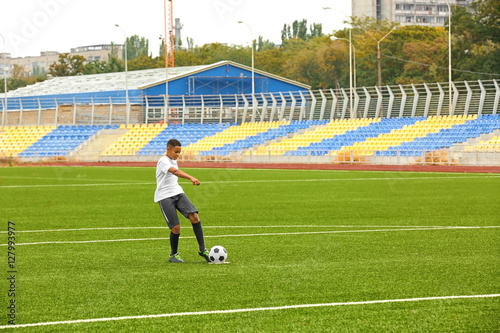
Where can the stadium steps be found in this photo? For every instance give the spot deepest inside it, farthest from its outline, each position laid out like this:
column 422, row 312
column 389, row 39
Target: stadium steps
column 479, row 143
column 475, row 140
column 136, row 137
column 94, row 148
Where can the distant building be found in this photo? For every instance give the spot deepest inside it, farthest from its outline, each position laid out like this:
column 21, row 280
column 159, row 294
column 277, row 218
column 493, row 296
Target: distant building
column 39, row 65
column 407, row 12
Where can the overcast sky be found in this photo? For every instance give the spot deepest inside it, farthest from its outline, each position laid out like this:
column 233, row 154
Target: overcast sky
column 32, row 26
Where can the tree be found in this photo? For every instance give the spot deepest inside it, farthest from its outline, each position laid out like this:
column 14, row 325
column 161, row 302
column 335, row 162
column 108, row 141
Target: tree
column 68, row 65
column 487, row 13
column 299, row 30
column 96, row 67
column 136, row 46
column 316, row 30
column 115, row 65
column 19, row 79
column 476, row 40
column 264, row 44
column 190, row 43
column 285, row 33
column 144, row 62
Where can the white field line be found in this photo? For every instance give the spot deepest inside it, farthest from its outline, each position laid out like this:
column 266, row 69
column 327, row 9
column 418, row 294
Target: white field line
column 252, row 235
column 235, row 226
column 274, row 308
column 76, row 185
column 260, row 181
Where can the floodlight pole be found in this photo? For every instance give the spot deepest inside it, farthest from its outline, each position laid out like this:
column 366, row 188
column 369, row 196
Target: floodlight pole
column 4, row 114
column 379, row 62
column 350, row 64
column 166, row 64
column 449, row 59
column 253, row 58
column 333, row 38
column 127, row 103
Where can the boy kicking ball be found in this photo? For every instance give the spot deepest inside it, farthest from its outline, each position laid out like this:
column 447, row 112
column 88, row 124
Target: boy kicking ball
column 170, row 195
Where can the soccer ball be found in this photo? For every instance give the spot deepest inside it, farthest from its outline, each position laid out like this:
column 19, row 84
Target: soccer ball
column 218, row 254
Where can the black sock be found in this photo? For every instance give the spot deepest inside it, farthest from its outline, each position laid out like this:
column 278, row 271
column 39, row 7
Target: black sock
column 174, row 242
column 198, row 231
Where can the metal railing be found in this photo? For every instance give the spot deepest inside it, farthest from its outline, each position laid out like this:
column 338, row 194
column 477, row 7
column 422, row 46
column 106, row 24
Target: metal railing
column 468, row 97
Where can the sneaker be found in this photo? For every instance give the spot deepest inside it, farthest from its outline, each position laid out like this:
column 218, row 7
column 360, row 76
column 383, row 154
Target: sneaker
column 204, row 254
column 175, row 258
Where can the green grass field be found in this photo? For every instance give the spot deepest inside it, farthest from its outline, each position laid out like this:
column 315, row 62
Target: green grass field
column 309, row 251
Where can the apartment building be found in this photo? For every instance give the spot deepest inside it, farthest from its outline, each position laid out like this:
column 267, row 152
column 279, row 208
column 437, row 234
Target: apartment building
column 39, row 65
column 407, row 12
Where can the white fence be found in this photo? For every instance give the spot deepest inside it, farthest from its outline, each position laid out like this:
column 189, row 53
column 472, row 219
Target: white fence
column 474, row 97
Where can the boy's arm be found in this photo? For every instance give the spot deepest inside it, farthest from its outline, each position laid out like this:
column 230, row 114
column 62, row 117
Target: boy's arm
column 184, row 175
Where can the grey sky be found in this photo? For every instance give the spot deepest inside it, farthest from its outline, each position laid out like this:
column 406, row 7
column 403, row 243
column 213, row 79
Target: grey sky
column 32, row 26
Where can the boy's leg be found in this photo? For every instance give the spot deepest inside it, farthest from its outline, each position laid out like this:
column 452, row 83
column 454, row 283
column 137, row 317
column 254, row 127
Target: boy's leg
column 175, row 234
column 198, row 230
column 186, row 207
column 169, row 212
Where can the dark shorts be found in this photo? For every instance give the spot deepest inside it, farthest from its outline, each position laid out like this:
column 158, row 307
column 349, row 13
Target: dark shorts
column 170, row 206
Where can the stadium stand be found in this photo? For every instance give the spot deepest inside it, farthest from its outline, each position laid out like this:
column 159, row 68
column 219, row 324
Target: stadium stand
column 377, row 137
column 186, row 134
column 134, row 139
column 260, row 138
column 15, row 140
column 310, row 137
column 230, row 135
column 450, row 130
column 60, row 141
column 351, row 134
column 398, row 138
column 492, row 145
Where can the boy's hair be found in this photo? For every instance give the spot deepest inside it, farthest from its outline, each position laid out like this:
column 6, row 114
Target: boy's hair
column 173, row 143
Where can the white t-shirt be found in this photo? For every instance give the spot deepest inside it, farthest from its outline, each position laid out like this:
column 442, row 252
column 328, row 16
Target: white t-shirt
column 166, row 182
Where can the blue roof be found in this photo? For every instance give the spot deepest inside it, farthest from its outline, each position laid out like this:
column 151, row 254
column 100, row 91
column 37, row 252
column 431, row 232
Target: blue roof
column 224, row 78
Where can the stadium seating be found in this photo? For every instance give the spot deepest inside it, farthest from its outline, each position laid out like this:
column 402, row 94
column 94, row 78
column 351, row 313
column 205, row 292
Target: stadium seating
column 322, row 132
column 451, row 130
column 187, row 134
column 490, row 146
column 15, row 140
column 350, row 133
column 401, row 137
column 136, row 137
column 260, row 138
column 411, row 136
column 61, row 141
column 231, row 135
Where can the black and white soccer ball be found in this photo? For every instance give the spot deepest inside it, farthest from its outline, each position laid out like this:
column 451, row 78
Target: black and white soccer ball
column 218, row 254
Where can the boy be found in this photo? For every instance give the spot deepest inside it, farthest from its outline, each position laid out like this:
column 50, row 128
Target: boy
column 171, row 198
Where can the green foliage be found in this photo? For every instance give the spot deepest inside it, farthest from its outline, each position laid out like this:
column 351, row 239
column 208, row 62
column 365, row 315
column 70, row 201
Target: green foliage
column 136, row 47
column 144, row 62
column 487, row 14
column 68, row 65
column 299, row 30
column 476, row 41
column 263, row 45
column 19, row 79
column 96, row 67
